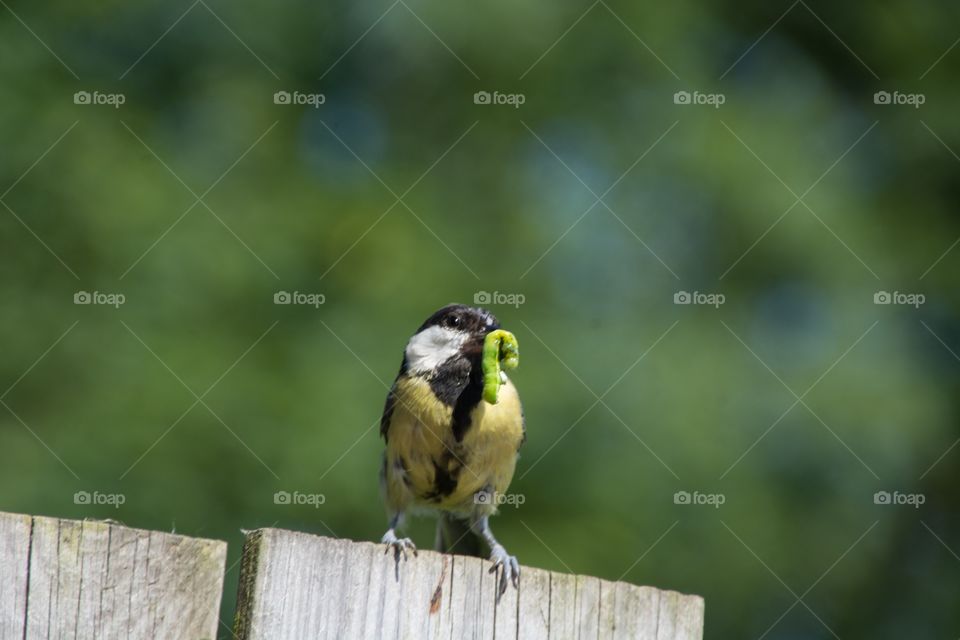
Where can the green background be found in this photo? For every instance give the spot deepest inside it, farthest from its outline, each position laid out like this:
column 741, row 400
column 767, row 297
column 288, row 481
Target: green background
column 497, row 198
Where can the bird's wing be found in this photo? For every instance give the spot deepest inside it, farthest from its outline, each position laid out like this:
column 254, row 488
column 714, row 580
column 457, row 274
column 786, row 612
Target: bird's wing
column 388, row 407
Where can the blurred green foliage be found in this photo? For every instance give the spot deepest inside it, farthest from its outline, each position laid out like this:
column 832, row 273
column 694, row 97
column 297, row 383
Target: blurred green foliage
column 199, row 398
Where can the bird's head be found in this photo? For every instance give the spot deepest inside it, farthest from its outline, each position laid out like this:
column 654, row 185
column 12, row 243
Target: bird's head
column 455, row 331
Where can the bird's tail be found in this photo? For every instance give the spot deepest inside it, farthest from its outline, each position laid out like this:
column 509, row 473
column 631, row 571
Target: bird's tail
column 454, row 536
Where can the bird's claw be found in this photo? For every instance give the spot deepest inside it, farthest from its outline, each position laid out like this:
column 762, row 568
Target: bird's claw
column 399, row 545
column 508, row 566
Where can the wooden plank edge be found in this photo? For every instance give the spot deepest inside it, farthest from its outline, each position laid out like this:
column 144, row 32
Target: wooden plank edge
column 253, row 549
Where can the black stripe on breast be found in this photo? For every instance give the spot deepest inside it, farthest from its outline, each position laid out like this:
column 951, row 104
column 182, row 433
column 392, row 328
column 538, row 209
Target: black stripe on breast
column 468, row 400
column 445, row 479
column 458, row 383
column 446, row 474
column 450, row 379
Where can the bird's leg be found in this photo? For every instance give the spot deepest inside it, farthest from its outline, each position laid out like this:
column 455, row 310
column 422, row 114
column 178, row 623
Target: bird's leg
column 399, row 545
column 510, row 568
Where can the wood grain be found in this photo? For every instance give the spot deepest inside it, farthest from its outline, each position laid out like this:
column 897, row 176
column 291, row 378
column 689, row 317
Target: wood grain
column 72, row 579
column 295, row 585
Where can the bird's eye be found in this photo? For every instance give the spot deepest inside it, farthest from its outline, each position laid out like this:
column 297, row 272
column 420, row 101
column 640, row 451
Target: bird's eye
column 453, row 321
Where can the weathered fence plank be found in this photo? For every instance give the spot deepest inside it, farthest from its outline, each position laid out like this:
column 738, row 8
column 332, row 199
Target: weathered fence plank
column 64, row 578
column 71, row 579
column 14, row 560
column 294, row 585
column 533, row 609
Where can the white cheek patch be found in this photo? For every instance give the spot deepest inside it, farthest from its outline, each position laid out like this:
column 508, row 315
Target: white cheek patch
column 432, row 347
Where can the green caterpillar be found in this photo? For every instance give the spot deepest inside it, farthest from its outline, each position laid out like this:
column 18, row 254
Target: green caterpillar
column 498, row 347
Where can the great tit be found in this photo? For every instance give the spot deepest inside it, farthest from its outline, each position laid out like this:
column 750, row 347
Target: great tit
column 449, row 451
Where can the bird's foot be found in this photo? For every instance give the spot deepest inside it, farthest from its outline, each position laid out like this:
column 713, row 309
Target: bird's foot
column 508, row 567
column 399, row 546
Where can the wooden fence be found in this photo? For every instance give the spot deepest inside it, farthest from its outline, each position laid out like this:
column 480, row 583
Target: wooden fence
column 86, row 580
column 64, row 578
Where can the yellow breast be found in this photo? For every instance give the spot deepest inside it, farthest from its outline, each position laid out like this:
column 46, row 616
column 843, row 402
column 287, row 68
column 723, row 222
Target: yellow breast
column 426, row 466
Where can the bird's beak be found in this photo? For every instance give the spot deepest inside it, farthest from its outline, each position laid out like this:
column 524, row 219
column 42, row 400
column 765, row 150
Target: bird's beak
column 473, row 346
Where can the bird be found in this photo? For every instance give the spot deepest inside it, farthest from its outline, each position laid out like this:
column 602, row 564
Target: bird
column 448, row 450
